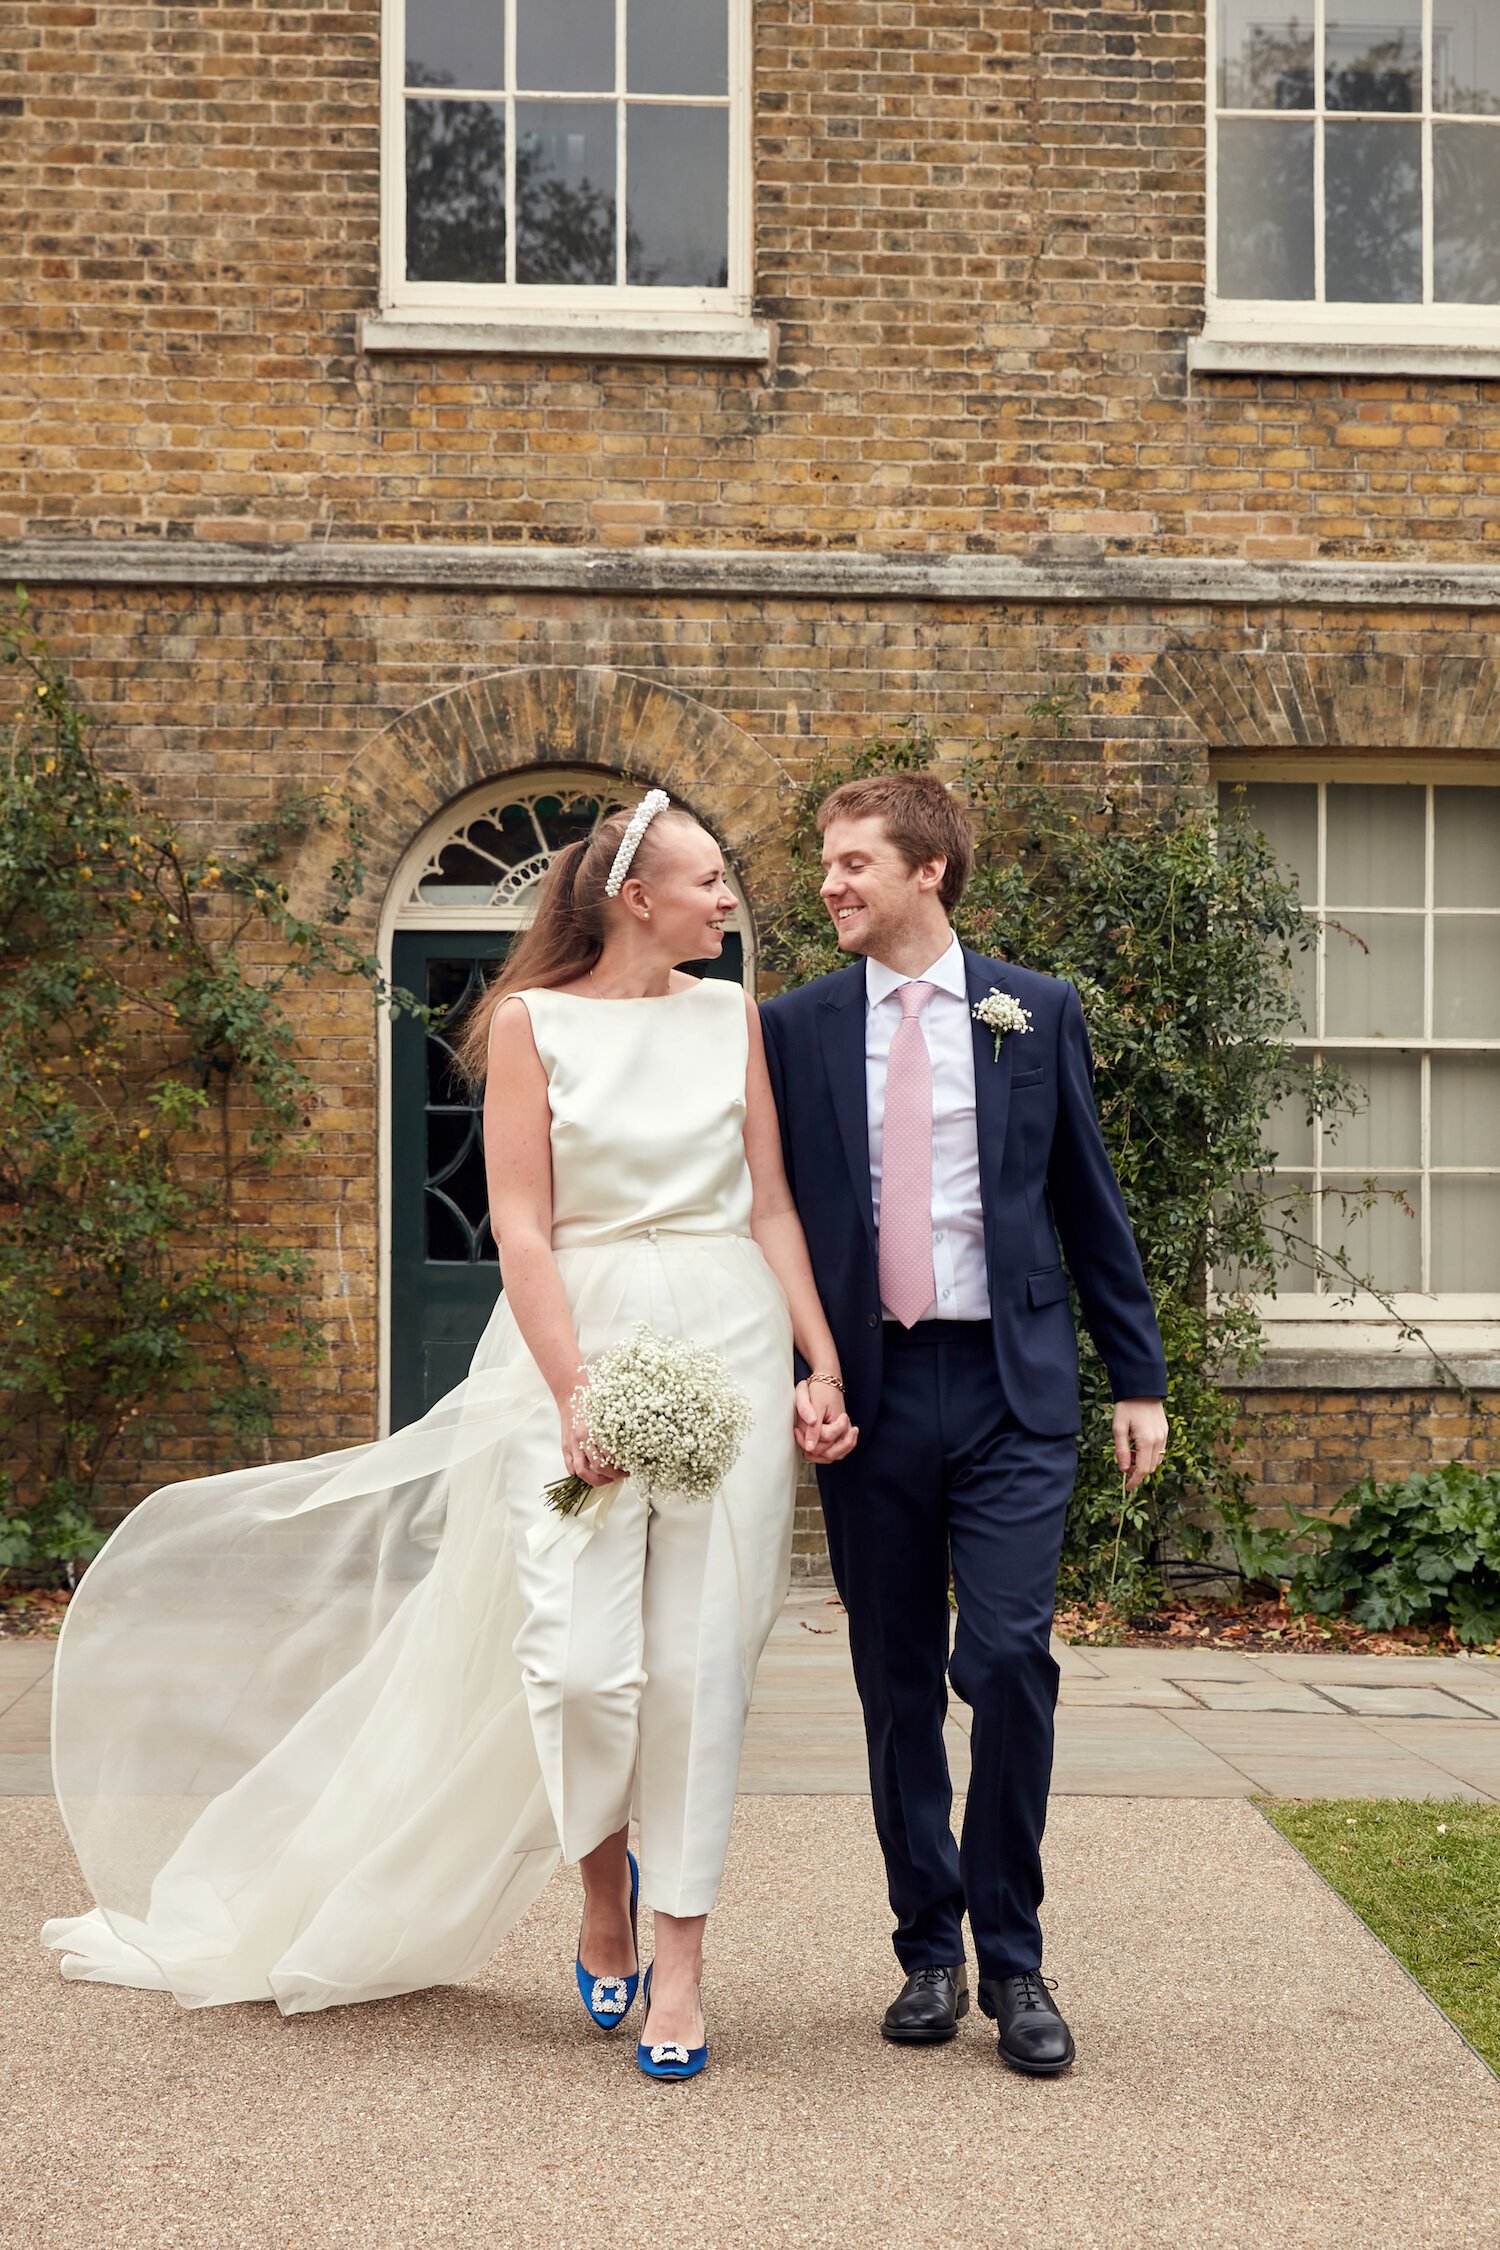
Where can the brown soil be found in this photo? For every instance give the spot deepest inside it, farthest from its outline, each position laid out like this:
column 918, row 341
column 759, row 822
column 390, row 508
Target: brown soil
column 33, row 1616
column 1266, row 1624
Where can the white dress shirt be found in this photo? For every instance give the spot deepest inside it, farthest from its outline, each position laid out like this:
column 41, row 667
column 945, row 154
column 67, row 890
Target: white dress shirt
column 958, row 1260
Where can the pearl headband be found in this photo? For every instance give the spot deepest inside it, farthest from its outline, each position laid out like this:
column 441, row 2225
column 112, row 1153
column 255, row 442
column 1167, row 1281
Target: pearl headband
column 654, row 801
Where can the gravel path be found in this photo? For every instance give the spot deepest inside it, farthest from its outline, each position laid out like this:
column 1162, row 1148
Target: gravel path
column 1255, row 2071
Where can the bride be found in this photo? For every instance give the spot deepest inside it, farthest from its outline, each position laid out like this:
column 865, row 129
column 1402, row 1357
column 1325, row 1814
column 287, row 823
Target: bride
column 323, row 1728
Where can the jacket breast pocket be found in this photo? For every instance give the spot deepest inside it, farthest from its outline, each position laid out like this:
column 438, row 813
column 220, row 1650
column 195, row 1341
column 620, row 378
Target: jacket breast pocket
column 1049, row 1287
column 1037, row 1077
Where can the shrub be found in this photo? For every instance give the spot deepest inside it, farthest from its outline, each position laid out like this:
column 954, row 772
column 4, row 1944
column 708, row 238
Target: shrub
column 149, row 1084
column 1179, row 933
column 1426, row 1550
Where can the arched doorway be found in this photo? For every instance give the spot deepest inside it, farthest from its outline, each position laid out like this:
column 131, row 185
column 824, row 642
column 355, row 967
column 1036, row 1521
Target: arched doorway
column 461, row 892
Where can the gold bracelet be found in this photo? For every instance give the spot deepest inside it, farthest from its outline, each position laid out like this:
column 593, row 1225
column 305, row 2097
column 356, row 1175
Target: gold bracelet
column 836, row 1380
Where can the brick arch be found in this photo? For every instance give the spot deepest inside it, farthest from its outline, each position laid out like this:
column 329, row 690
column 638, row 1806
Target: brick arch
column 1274, row 699
column 545, row 715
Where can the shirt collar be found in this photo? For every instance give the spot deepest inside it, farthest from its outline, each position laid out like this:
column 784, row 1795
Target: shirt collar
column 947, row 973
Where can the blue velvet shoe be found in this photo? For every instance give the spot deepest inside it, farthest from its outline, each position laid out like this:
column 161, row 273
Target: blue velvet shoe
column 608, row 1999
column 668, row 2058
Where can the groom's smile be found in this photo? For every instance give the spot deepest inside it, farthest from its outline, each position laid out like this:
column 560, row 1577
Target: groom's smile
column 875, row 898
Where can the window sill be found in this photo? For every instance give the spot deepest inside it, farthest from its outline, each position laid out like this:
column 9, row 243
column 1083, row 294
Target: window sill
column 1223, row 351
column 729, row 341
column 1359, row 1371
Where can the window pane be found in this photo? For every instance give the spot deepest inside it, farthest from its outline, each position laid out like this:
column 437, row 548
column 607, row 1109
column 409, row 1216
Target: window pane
column 1372, row 976
column 455, row 43
column 677, row 197
column 1388, row 1130
column 455, row 191
column 1466, row 976
column 1289, row 1132
column 677, row 46
column 1265, row 192
column 1383, row 1244
column 1466, row 1110
column 1286, row 813
column 1466, row 214
column 1466, row 57
column 565, row 192
column 1290, row 1212
column 1466, row 864
column 1377, row 845
column 1372, row 56
column 565, row 46
column 1466, row 1235
column 1265, row 59
column 1372, row 190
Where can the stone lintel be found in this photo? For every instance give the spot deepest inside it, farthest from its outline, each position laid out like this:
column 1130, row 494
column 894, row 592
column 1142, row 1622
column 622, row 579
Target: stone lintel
column 438, row 565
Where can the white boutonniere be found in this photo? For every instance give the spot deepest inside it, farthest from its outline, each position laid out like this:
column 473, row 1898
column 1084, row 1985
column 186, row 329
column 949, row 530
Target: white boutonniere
column 1000, row 1012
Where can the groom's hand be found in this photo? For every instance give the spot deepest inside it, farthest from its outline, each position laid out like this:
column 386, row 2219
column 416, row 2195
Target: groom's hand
column 1140, row 1438
column 822, row 1429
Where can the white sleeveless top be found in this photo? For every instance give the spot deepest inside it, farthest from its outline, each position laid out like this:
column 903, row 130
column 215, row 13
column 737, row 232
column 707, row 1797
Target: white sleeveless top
column 648, row 1112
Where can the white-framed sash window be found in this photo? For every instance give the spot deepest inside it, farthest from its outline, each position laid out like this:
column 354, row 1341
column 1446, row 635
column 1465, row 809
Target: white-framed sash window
column 1403, row 992
column 1354, row 173
column 564, row 161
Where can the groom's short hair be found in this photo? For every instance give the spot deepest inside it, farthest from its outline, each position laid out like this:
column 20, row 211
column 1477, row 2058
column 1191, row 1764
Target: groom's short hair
column 923, row 820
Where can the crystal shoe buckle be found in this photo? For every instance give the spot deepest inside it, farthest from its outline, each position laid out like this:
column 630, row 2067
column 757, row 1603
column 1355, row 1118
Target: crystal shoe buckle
column 611, row 1996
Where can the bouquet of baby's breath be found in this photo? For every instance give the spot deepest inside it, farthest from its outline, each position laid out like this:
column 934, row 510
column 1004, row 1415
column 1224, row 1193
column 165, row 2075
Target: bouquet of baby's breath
column 665, row 1413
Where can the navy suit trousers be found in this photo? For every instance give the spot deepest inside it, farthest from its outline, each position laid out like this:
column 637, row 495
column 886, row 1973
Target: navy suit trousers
column 948, row 1480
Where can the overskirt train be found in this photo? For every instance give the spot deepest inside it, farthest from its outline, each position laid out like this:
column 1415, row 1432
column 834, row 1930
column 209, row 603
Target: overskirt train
column 290, row 1737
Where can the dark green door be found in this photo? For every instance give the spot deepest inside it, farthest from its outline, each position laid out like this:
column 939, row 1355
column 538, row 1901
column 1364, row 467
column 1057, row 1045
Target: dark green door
column 444, row 1274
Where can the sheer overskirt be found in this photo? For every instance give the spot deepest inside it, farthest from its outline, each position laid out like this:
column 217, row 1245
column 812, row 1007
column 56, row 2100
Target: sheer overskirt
column 290, row 1736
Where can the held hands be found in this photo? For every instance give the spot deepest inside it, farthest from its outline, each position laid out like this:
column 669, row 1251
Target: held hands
column 582, row 1456
column 1140, row 1426
column 820, row 1425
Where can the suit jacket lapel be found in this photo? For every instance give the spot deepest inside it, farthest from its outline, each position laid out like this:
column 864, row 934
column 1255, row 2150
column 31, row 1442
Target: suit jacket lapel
column 841, row 1033
column 992, row 1076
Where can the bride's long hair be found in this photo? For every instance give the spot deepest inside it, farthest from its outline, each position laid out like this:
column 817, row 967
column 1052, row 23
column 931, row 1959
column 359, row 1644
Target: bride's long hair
column 565, row 936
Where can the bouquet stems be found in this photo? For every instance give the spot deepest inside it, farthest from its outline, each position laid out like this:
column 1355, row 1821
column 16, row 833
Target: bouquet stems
column 568, row 1494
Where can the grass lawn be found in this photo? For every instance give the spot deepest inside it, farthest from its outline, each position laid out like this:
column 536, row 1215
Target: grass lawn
column 1426, row 1877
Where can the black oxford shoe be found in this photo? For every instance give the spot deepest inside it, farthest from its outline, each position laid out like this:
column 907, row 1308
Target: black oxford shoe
column 1033, row 2036
column 926, row 2010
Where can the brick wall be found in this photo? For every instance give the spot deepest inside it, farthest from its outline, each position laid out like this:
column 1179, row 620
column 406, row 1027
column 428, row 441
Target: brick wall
column 1305, row 1449
column 221, row 701
column 979, row 234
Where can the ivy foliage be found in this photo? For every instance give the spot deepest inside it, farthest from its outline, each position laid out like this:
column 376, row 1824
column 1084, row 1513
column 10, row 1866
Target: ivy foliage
column 1424, row 1550
column 150, row 1092
column 1180, row 933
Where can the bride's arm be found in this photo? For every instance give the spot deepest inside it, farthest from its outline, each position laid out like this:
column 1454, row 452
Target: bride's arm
column 824, row 1431
column 518, row 1171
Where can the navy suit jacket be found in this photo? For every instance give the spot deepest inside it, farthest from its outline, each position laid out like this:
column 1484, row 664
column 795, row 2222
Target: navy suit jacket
column 1048, row 1189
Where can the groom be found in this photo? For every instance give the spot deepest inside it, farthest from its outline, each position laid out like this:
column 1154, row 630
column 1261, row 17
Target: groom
column 941, row 1184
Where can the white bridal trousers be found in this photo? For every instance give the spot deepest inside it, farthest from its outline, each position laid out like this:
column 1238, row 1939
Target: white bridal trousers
column 638, row 1682
column 321, row 1728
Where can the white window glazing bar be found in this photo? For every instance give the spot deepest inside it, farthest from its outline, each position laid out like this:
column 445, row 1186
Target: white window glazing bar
column 1427, row 249
column 510, row 143
column 620, row 183
column 1320, row 267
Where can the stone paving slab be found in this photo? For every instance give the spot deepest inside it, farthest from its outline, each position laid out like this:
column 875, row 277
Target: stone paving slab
column 1470, row 1754
column 1121, row 1695
column 1401, row 1700
column 1290, row 1755
column 1252, row 1695
column 1131, row 1722
column 1292, row 2093
column 1138, row 1753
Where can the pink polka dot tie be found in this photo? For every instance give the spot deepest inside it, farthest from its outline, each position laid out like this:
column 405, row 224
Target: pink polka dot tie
column 907, row 1287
